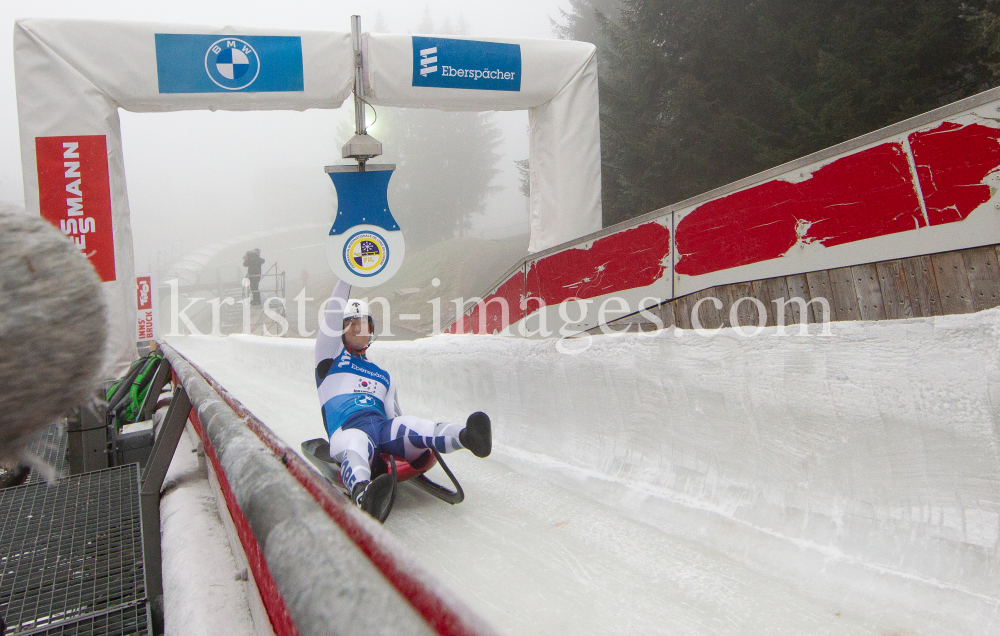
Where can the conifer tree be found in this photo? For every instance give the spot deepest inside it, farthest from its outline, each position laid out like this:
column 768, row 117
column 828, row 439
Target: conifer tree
column 699, row 93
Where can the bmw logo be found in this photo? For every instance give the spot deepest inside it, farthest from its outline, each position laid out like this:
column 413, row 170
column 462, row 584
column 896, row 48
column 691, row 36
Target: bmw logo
column 232, row 64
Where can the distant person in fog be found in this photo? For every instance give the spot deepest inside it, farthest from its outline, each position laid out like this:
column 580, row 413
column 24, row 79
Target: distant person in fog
column 253, row 262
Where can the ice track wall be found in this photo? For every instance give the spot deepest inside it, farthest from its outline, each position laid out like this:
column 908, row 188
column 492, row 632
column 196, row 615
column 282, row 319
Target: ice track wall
column 877, row 444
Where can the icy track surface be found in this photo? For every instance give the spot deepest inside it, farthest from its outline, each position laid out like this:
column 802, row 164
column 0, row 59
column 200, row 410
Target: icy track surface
column 678, row 484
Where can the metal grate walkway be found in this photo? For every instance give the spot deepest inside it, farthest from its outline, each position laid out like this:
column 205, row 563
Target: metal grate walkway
column 71, row 556
column 51, row 448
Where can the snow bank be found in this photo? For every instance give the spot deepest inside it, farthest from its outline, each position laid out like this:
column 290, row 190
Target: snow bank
column 876, row 443
column 202, row 591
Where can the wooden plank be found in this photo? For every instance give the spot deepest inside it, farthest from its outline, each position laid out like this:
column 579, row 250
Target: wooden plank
column 708, row 315
column 892, row 281
column 798, row 287
column 646, row 324
column 681, row 313
column 953, row 283
column 725, row 294
column 845, row 296
column 760, row 290
column 634, row 323
column 683, row 308
column 984, row 276
column 819, row 287
column 778, row 289
column 866, row 286
column 667, row 314
column 746, row 313
column 922, row 286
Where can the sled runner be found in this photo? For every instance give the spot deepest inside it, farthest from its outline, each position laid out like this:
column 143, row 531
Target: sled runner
column 317, row 451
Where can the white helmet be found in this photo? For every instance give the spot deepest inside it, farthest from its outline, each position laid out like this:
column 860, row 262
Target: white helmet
column 356, row 309
column 359, row 309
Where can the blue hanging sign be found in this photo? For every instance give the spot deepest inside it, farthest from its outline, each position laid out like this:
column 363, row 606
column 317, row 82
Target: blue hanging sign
column 365, row 247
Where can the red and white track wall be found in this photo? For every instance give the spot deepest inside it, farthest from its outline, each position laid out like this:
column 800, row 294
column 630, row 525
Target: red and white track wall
column 925, row 185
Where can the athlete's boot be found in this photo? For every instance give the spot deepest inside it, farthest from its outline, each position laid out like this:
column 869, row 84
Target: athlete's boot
column 374, row 497
column 477, row 435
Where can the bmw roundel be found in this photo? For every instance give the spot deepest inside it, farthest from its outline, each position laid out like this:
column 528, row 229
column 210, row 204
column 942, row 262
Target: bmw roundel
column 232, row 64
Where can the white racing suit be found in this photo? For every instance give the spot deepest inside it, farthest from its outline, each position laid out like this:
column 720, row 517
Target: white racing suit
column 360, row 407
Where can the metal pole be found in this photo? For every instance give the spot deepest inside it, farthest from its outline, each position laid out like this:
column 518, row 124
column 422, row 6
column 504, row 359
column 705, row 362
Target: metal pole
column 359, row 106
column 361, row 147
column 149, row 498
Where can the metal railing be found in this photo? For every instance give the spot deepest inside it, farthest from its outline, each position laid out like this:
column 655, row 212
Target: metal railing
column 271, row 285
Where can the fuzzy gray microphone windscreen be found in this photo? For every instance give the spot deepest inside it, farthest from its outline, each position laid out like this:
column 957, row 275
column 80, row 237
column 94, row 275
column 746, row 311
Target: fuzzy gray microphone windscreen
column 52, row 328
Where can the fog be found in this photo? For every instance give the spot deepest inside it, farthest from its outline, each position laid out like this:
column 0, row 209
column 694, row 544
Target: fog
column 196, row 178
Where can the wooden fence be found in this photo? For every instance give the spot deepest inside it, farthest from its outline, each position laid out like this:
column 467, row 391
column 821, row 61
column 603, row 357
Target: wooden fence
column 956, row 282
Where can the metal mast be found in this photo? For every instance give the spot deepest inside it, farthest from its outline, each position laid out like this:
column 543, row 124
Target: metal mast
column 362, row 146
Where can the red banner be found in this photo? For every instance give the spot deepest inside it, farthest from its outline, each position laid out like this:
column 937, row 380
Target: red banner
column 146, row 327
column 143, row 293
column 74, row 194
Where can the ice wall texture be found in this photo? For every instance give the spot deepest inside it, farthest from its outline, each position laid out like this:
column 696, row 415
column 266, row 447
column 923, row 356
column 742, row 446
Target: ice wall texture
column 876, row 444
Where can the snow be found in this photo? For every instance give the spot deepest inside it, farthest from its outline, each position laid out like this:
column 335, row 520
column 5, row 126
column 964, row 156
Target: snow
column 818, row 484
column 202, row 594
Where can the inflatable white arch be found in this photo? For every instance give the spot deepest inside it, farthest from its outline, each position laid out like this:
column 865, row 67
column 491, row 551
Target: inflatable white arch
column 72, row 76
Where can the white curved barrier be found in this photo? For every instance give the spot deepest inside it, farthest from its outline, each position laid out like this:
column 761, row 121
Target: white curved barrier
column 876, row 445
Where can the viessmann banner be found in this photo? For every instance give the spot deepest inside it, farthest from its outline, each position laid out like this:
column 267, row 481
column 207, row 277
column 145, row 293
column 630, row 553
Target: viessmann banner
column 74, row 194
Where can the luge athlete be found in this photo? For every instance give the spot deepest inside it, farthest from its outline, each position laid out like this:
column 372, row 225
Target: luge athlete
column 361, row 411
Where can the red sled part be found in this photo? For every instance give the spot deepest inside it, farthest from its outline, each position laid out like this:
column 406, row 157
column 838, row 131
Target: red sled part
column 317, row 451
column 406, row 470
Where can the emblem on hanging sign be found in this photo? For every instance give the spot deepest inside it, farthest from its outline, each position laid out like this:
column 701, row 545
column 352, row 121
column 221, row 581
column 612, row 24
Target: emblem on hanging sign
column 366, row 253
column 365, row 247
